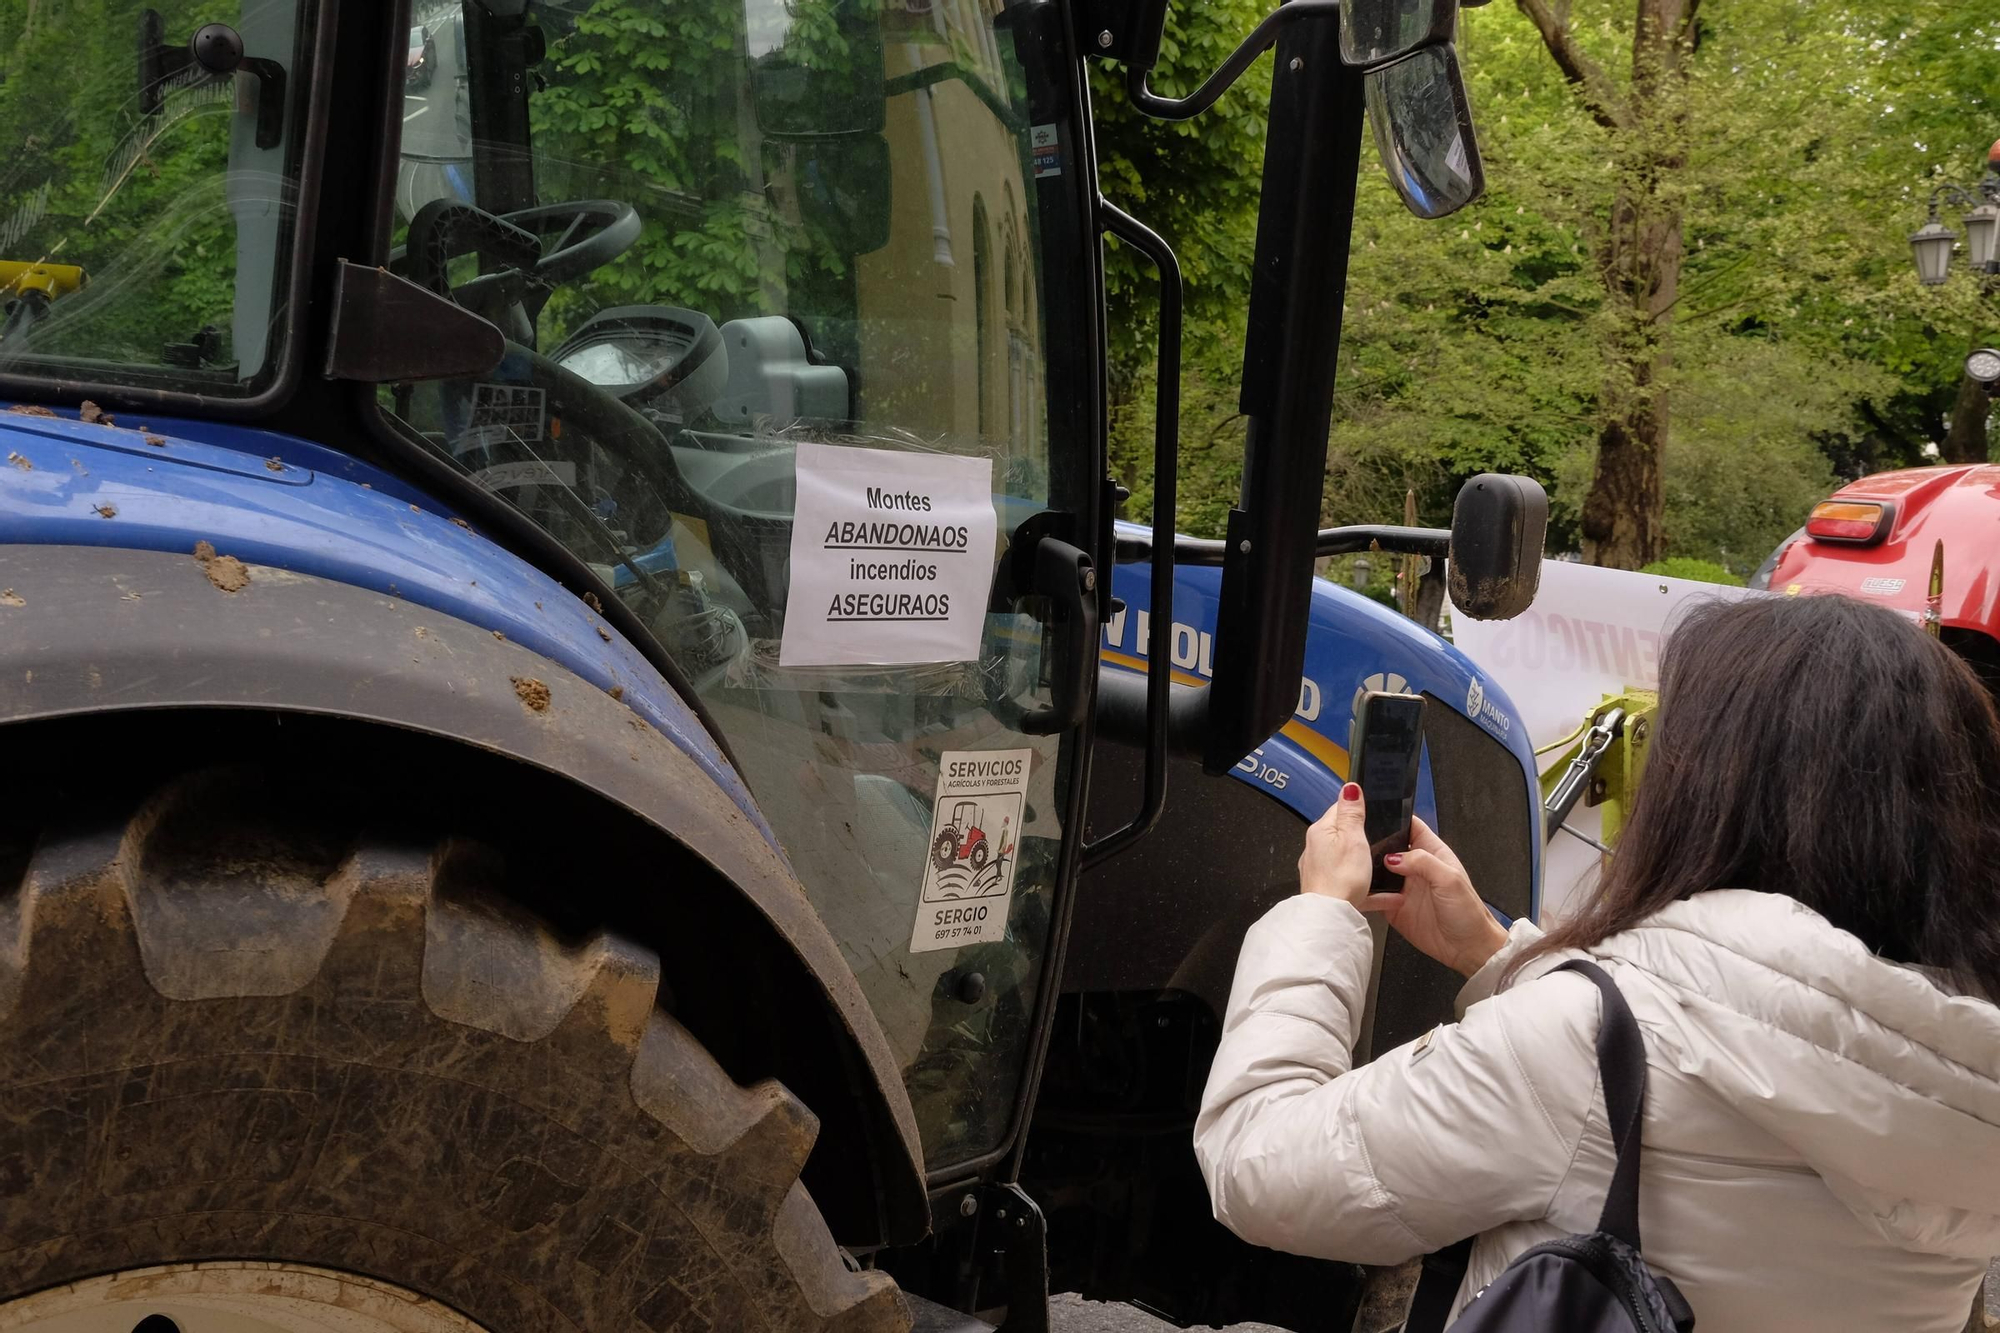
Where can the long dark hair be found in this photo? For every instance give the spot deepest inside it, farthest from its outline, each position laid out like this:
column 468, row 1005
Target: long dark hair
column 1828, row 750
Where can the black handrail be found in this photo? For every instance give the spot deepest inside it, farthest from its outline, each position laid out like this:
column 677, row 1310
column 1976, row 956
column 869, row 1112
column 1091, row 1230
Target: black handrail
column 1166, row 467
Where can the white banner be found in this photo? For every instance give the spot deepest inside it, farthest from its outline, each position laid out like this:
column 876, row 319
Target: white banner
column 1591, row 632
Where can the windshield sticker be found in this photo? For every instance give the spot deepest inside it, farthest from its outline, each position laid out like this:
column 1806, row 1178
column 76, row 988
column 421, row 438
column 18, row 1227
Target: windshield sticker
column 1046, row 143
column 502, row 412
column 969, row 868
column 892, row 555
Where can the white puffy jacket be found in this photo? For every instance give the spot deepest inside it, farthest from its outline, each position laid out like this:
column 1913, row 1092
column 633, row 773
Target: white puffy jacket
column 1822, row 1133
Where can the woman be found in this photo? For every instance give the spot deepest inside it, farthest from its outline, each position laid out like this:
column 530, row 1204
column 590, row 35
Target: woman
column 1803, row 912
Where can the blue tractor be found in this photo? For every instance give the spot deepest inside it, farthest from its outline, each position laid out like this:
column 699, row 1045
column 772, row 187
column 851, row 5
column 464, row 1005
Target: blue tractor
column 468, row 836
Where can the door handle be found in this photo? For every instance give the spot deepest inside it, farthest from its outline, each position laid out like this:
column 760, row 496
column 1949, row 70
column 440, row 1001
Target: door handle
column 1065, row 575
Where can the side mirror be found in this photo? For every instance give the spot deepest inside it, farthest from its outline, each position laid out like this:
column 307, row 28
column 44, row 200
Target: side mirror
column 816, row 67
column 1498, row 525
column 1372, row 31
column 1423, row 132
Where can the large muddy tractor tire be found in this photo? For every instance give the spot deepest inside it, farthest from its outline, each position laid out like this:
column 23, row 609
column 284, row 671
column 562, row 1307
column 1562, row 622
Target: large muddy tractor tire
column 238, row 1031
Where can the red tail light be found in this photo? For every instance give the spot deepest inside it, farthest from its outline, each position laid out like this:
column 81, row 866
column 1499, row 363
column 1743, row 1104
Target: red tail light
column 1861, row 521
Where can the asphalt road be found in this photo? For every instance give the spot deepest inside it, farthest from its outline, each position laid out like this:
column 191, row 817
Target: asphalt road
column 1071, row 1314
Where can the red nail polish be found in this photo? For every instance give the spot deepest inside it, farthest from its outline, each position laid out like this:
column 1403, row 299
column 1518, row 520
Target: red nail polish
column 1351, row 792
column 1393, row 859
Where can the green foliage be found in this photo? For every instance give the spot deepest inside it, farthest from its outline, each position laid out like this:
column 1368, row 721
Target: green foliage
column 1804, row 350
column 644, row 92
column 137, row 202
column 1211, row 471
column 1196, row 182
column 643, row 101
column 1698, row 571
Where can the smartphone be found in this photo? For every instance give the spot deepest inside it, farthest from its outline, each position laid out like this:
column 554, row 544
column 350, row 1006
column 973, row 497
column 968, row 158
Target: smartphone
column 1388, row 742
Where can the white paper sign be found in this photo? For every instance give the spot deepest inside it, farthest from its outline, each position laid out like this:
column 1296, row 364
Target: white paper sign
column 969, row 872
column 892, row 557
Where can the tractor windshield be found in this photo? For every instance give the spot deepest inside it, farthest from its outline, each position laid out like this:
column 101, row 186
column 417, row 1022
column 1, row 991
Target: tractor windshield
column 149, row 195
column 716, row 232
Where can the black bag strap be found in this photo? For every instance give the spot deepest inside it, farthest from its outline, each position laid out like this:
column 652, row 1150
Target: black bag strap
column 1437, row 1286
column 1621, row 1069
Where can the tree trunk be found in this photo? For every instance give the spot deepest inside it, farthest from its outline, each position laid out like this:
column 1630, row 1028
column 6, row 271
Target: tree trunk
column 1639, row 262
column 1965, row 442
column 1624, row 514
column 1429, row 606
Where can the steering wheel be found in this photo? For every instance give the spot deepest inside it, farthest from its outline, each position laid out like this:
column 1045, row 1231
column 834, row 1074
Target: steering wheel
column 532, row 250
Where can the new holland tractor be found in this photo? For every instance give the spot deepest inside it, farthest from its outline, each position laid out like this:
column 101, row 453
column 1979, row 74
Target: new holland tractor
column 510, row 564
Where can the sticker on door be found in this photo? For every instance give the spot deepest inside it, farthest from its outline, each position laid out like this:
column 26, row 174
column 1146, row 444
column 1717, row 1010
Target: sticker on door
column 969, row 866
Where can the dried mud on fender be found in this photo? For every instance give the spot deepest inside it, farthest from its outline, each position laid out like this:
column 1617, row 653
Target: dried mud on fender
column 224, row 571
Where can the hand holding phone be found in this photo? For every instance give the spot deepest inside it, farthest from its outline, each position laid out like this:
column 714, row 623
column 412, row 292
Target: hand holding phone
column 1388, row 743
column 1429, row 899
column 1436, row 908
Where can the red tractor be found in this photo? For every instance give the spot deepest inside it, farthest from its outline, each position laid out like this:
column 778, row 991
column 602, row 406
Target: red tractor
column 962, row 839
column 1923, row 540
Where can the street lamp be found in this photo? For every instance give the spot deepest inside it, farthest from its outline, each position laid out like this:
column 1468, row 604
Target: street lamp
column 1982, row 228
column 1932, row 244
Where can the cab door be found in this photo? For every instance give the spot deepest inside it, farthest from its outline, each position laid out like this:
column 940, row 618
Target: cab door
column 818, row 399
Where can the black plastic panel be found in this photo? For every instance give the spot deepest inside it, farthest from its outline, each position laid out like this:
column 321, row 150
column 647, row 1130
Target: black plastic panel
column 1171, row 912
column 1482, row 804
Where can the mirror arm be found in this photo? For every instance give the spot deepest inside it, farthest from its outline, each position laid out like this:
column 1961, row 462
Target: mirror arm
column 1394, row 539
column 1260, row 40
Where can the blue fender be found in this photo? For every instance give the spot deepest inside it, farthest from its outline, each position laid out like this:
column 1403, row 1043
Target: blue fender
column 276, row 500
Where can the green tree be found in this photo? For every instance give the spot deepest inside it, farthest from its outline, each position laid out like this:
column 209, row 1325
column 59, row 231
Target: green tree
column 1197, row 183
column 1938, row 63
column 652, row 89
column 1799, row 346
column 137, row 201
column 1194, row 181
column 1639, row 254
